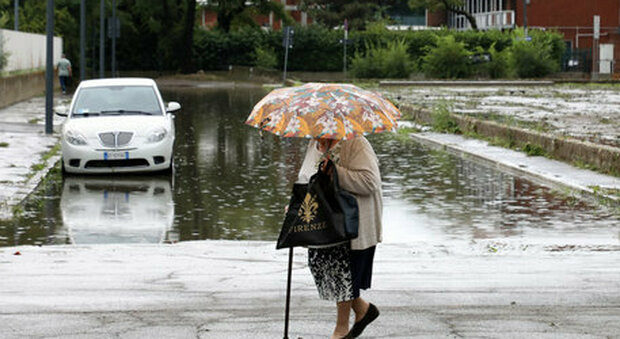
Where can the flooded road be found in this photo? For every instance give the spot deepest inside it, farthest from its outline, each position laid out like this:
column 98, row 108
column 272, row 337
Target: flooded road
column 231, row 183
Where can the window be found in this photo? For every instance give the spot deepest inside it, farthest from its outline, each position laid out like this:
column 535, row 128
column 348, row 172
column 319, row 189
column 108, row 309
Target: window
column 114, row 98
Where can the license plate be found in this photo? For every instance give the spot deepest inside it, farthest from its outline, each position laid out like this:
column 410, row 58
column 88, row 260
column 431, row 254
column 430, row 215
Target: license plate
column 115, row 155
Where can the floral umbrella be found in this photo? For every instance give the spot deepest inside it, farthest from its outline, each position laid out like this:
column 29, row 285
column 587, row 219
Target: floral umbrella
column 324, row 110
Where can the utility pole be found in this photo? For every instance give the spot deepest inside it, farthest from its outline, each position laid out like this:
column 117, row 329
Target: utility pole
column 525, row 3
column 82, row 40
column 287, row 42
column 16, row 15
column 596, row 29
column 344, row 43
column 101, row 39
column 49, row 69
column 112, row 23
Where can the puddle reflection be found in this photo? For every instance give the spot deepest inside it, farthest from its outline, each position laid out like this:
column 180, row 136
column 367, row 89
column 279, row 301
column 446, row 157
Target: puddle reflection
column 116, row 210
column 232, row 184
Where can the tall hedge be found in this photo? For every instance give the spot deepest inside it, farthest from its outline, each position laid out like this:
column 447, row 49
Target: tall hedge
column 316, row 48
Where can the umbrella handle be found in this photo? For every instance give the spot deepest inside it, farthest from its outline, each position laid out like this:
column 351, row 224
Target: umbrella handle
column 288, row 291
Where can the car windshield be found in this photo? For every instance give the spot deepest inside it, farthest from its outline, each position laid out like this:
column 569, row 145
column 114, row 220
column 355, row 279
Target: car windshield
column 116, row 100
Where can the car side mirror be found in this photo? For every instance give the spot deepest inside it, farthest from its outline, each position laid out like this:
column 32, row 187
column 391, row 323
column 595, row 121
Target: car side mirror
column 173, row 106
column 61, row 110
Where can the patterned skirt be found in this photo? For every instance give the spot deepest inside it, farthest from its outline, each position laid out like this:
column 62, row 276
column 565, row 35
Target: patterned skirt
column 339, row 272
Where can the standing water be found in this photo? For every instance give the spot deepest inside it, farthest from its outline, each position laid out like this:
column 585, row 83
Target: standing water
column 232, row 183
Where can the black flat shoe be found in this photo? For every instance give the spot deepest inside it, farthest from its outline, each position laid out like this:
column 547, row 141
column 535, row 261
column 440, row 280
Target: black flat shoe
column 359, row 326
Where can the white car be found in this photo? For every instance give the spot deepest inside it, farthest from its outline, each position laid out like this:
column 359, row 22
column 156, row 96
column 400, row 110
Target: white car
column 117, row 125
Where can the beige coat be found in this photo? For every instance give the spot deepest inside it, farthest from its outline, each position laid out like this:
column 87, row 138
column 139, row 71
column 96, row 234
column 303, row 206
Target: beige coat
column 358, row 173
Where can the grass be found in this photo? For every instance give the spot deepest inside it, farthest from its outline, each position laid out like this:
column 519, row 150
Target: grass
column 562, row 95
column 34, row 121
column 21, row 72
column 592, row 85
column 504, row 142
column 442, row 119
column 4, row 144
column 535, row 150
column 511, row 120
column 404, row 132
column 43, row 163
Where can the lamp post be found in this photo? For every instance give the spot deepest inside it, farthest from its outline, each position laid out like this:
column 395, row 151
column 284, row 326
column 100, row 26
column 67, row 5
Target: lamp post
column 16, row 15
column 101, row 40
column 525, row 3
column 49, row 68
column 82, row 40
column 113, row 29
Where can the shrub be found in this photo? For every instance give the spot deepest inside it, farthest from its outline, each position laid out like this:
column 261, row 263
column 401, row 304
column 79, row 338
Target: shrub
column 442, row 119
column 368, row 64
column 315, row 48
column 266, row 58
column 3, row 59
column 396, row 62
column 378, row 52
column 391, row 61
column 537, row 57
column 499, row 66
column 449, row 59
column 216, row 49
column 4, row 56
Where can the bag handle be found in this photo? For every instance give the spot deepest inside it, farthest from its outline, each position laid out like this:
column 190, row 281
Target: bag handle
column 330, row 164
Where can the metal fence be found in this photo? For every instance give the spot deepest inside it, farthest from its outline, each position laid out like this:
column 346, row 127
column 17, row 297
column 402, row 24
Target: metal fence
column 577, row 60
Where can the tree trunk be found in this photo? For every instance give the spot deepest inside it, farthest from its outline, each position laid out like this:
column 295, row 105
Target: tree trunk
column 187, row 60
column 224, row 18
column 455, row 9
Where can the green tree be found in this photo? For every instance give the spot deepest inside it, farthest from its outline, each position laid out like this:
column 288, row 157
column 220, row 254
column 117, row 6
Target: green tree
column 4, row 19
column 155, row 35
column 359, row 14
column 449, row 5
column 242, row 13
column 32, row 18
column 189, row 22
column 4, row 13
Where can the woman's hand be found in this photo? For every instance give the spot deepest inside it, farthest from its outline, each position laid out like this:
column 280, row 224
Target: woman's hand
column 329, row 171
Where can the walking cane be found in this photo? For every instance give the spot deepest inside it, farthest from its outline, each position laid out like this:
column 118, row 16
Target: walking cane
column 288, row 291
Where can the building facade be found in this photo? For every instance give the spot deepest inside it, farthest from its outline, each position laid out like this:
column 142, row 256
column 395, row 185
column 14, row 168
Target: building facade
column 208, row 19
column 574, row 19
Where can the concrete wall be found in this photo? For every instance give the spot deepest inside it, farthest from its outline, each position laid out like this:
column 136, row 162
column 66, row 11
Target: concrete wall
column 22, row 87
column 27, row 50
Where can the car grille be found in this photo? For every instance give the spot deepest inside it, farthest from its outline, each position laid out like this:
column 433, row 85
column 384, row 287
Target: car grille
column 116, row 163
column 115, row 139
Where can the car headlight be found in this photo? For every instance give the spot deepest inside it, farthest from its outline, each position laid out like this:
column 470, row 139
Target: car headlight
column 75, row 138
column 157, row 135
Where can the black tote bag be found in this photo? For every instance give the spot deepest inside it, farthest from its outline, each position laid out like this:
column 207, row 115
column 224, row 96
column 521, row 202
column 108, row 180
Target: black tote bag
column 319, row 213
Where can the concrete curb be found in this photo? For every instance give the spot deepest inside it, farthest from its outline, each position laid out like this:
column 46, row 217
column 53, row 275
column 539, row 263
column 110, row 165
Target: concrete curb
column 467, row 83
column 26, row 188
column 605, row 158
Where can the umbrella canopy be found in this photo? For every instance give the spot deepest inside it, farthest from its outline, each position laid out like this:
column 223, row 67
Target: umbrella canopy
column 323, row 110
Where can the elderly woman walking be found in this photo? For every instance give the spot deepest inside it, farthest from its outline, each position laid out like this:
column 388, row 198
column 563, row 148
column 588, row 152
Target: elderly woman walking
column 341, row 270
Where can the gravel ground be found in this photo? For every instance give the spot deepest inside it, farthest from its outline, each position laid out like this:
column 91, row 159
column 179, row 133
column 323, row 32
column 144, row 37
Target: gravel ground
column 586, row 112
